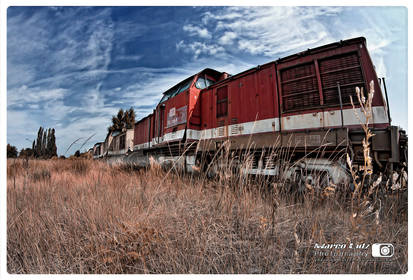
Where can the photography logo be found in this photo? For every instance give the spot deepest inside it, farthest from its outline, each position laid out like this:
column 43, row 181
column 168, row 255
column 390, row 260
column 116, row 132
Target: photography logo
column 382, row 250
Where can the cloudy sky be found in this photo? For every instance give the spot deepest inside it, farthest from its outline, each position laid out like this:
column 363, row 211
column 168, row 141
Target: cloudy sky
column 72, row 68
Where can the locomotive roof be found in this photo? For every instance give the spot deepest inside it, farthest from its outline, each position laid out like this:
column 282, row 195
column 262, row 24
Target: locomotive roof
column 323, row 48
column 298, row 55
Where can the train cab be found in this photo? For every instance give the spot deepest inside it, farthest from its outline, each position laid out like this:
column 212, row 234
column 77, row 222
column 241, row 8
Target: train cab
column 177, row 117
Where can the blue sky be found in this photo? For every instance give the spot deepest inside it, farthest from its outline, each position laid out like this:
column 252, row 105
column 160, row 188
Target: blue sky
column 72, row 68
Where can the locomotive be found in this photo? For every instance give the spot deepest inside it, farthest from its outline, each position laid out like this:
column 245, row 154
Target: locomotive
column 298, row 106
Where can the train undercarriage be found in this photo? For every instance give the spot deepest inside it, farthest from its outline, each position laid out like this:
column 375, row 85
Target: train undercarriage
column 307, row 157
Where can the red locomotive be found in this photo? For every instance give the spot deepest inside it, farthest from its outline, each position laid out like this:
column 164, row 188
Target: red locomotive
column 300, row 103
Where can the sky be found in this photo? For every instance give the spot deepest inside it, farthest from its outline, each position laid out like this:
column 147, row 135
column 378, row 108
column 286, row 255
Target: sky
column 72, row 68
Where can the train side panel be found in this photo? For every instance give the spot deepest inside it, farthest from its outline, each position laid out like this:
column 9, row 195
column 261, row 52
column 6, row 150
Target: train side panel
column 241, row 106
column 252, row 103
column 141, row 138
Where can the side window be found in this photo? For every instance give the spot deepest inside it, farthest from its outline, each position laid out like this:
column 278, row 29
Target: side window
column 184, row 86
column 222, row 101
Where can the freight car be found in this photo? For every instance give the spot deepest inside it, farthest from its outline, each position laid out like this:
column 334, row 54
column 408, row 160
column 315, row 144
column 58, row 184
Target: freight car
column 298, row 106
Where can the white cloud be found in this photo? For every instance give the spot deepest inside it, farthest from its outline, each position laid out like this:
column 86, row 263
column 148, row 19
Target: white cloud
column 197, row 31
column 61, row 48
column 99, row 46
column 273, row 30
column 199, row 48
column 206, row 17
column 227, row 38
column 267, row 31
column 37, row 95
column 20, row 125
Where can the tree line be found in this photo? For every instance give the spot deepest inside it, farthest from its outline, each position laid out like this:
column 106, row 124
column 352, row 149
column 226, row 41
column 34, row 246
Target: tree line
column 44, row 147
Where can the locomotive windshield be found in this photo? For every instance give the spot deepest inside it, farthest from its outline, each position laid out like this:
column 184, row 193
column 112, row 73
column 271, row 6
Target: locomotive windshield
column 206, row 78
column 177, row 89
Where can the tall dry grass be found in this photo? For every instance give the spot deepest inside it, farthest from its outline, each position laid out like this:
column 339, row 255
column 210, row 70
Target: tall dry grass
column 82, row 216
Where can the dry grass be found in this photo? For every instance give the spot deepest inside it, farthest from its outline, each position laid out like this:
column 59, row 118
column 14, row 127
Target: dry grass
column 82, row 216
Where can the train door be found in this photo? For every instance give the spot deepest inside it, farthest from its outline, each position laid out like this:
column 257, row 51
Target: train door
column 221, row 112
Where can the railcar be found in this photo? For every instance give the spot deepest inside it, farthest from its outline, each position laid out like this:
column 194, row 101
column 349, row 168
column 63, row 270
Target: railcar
column 297, row 106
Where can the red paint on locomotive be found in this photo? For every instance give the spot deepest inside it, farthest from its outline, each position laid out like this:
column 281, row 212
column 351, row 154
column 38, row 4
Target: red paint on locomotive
column 295, row 93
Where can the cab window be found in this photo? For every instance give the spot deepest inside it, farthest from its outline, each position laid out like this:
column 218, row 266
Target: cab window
column 184, row 86
column 202, row 83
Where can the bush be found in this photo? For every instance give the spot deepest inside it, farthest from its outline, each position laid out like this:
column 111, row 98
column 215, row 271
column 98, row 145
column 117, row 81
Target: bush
column 26, row 153
column 11, row 151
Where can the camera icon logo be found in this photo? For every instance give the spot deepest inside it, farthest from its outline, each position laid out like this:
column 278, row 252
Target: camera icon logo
column 382, row 250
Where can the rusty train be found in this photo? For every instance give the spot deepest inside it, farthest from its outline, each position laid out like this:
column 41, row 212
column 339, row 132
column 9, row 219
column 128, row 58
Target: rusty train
column 299, row 104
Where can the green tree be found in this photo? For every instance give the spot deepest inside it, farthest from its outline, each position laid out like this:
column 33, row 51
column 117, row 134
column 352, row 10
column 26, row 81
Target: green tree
column 123, row 119
column 11, row 151
column 45, row 144
column 38, row 143
column 51, row 149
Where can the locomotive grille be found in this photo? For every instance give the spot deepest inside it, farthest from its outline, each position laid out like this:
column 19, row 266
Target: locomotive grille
column 299, row 87
column 299, row 84
column 346, row 70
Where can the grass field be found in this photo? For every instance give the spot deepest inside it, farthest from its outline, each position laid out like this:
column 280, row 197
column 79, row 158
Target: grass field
column 84, row 216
